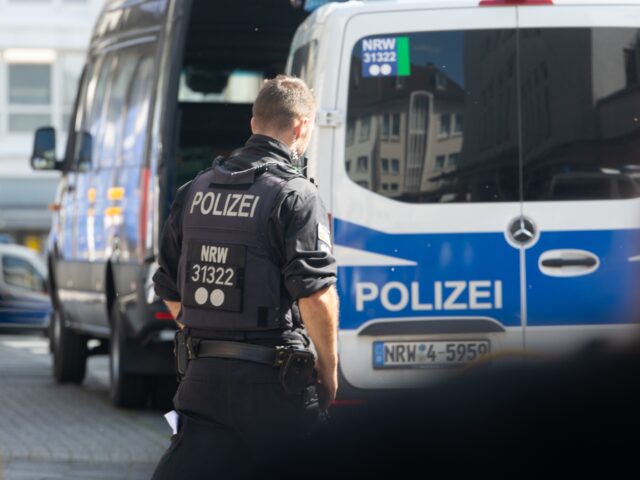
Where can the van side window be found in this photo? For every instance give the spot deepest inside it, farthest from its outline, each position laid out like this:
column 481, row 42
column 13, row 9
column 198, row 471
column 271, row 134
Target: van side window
column 108, row 143
column 408, row 93
column 303, row 64
column 580, row 122
column 469, row 129
column 90, row 110
column 137, row 113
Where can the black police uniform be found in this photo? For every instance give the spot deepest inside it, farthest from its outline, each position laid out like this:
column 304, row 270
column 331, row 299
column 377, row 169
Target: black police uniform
column 244, row 240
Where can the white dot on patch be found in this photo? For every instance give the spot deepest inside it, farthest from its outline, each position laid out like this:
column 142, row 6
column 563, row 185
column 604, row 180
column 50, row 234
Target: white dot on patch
column 385, row 69
column 374, row 70
column 201, row 296
column 217, row 297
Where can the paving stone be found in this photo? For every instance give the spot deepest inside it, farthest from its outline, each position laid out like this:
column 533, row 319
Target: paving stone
column 51, row 431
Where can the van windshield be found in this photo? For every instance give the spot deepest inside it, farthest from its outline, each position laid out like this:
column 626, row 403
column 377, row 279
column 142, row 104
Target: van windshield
column 464, row 116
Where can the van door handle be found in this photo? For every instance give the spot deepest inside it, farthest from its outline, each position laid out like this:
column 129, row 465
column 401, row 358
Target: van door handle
column 574, row 262
column 71, row 189
column 568, row 263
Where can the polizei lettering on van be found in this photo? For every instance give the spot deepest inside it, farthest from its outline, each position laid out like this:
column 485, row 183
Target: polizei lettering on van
column 225, row 204
column 447, row 295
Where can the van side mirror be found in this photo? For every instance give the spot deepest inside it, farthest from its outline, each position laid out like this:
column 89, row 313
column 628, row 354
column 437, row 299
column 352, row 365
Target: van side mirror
column 44, row 150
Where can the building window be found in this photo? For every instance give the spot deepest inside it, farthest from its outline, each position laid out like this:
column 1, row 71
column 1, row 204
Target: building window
column 384, row 165
column 453, row 160
column 440, row 159
column 394, row 187
column 386, row 126
column 458, row 123
column 441, row 81
column 385, row 187
column 363, row 164
column 365, row 129
column 395, row 126
column 445, row 125
column 30, row 96
column 395, row 166
column 363, row 184
column 351, row 132
column 348, row 165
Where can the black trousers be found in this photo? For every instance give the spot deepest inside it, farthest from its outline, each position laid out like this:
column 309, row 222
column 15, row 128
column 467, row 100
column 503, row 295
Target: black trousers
column 232, row 413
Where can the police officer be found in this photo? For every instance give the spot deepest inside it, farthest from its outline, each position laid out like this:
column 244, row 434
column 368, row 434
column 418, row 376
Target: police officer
column 246, row 269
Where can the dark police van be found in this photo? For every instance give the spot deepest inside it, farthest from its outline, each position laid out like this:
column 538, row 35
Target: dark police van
column 168, row 85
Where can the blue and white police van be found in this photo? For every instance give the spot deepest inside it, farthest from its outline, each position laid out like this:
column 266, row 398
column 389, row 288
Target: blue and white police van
column 481, row 163
column 167, row 86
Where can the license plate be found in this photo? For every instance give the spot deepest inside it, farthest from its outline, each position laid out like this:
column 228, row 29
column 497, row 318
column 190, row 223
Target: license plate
column 427, row 354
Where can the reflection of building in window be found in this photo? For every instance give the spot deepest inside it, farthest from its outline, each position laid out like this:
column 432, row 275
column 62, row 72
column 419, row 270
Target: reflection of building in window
column 395, row 126
column 404, row 124
column 445, row 125
column 439, row 165
column 390, row 126
column 351, row 132
column 365, row 128
column 632, row 64
column 386, row 126
column 458, row 123
column 363, row 164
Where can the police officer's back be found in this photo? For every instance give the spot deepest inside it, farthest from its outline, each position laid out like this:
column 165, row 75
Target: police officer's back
column 245, row 260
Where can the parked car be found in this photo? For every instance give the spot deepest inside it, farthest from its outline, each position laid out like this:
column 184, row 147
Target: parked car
column 24, row 301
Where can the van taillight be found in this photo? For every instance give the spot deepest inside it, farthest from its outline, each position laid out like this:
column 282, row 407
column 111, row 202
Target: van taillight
column 512, row 3
column 144, row 205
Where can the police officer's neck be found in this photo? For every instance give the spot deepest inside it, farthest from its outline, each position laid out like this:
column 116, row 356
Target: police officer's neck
column 288, row 139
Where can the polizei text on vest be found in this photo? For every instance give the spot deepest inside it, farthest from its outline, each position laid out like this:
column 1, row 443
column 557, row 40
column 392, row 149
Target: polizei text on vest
column 225, row 204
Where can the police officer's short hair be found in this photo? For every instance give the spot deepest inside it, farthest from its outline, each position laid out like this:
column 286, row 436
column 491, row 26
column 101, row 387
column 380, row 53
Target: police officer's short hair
column 281, row 101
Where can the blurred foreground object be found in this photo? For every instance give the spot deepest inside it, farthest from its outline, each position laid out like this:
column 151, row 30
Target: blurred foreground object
column 24, row 301
column 578, row 413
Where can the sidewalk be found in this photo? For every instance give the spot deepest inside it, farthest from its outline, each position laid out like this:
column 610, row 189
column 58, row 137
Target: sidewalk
column 50, row 431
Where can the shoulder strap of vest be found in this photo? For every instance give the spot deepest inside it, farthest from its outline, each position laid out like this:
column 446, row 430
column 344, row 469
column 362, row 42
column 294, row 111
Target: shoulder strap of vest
column 222, row 176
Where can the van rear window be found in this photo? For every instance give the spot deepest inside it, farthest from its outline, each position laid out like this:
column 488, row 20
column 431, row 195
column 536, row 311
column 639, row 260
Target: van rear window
column 496, row 115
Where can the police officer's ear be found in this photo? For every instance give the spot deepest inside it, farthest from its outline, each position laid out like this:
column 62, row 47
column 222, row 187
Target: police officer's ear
column 301, row 128
column 254, row 125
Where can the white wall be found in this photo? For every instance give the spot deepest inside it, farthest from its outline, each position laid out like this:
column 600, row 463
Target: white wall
column 53, row 33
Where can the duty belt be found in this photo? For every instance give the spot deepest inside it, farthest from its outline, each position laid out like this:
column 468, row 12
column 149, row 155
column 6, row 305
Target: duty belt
column 200, row 348
column 295, row 366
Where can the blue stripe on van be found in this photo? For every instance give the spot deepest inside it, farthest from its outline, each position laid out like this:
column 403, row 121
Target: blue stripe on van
column 482, row 258
column 603, row 297
column 607, row 296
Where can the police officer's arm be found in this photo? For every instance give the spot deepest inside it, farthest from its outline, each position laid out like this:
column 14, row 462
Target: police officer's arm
column 309, row 272
column 174, row 308
column 320, row 315
column 165, row 278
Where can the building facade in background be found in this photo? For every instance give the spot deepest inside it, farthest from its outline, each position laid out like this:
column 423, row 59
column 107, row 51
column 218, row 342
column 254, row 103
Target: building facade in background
column 42, row 51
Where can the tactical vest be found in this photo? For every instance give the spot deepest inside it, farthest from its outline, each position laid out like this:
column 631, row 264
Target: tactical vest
column 228, row 276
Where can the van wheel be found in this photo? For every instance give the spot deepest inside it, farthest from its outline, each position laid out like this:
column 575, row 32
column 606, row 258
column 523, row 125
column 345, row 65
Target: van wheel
column 127, row 390
column 69, row 351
